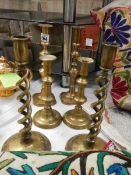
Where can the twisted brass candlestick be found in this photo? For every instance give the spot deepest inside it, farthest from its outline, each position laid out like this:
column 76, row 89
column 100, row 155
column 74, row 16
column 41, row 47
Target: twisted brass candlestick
column 78, row 118
column 68, row 97
column 91, row 141
column 38, row 97
column 25, row 140
column 48, row 117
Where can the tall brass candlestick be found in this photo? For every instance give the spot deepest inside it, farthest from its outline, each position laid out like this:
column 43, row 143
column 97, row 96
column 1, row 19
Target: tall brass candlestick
column 78, row 118
column 91, row 141
column 25, row 140
column 68, row 97
column 48, row 117
column 38, row 97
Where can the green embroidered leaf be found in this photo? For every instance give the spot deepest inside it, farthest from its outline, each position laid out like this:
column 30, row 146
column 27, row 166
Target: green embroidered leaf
column 48, row 167
column 48, row 153
column 100, row 159
column 124, row 58
column 57, row 153
column 66, row 168
column 19, row 154
column 126, row 153
column 66, row 153
column 125, row 74
column 6, row 162
column 122, row 101
column 108, row 24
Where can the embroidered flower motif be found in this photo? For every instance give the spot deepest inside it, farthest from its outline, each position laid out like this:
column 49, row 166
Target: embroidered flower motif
column 118, row 31
column 119, row 88
column 129, row 56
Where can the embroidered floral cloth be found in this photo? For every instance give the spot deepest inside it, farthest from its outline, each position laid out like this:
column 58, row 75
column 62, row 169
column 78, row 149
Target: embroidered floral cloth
column 65, row 163
column 117, row 29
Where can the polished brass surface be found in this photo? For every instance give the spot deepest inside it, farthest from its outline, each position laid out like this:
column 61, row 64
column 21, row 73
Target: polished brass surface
column 108, row 55
column 68, row 97
column 47, row 118
column 21, row 52
column 91, row 141
column 37, row 142
column 79, row 143
column 38, row 97
column 25, row 140
column 78, row 118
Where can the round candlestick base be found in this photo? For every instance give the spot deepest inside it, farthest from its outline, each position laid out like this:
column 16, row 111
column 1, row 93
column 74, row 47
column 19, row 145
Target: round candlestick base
column 37, row 142
column 77, row 119
column 47, row 118
column 80, row 143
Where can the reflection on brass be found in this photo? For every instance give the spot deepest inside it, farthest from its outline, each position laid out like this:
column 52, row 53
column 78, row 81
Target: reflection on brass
column 106, row 61
column 25, row 140
column 47, row 117
column 78, row 118
column 21, row 52
column 91, row 141
column 6, row 67
column 38, row 98
column 68, row 97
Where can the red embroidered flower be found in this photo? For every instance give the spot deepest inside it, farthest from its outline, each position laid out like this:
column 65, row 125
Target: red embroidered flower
column 119, row 88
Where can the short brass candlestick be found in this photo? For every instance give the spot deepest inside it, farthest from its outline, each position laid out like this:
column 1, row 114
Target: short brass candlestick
column 68, row 97
column 91, row 141
column 25, row 140
column 38, row 98
column 48, row 117
column 78, row 118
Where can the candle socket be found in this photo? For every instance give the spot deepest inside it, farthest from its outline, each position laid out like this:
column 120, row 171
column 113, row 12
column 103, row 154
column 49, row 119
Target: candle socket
column 47, row 118
column 38, row 97
column 78, row 118
column 91, row 141
column 25, row 140
column 68, row 97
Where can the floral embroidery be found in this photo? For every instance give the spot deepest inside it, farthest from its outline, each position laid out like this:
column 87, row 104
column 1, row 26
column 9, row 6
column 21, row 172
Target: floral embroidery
column 119, row 88
column 118, row 30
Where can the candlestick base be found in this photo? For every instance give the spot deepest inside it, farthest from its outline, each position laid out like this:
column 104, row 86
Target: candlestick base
column 77, row 118
column 80, row 143
column 67, row 98
column 38, row 100
column 47, row 118
column 37, row 142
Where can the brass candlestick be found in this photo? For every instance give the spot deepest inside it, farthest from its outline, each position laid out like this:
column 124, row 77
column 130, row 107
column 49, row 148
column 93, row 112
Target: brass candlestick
column 78, row 118
column 68, row 97
column 38, row 97
column 25, row 140
column 48, row 117
column 91, row 141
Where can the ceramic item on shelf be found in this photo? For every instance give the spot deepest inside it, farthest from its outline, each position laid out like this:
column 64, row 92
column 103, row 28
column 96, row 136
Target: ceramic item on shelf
column 5, row 68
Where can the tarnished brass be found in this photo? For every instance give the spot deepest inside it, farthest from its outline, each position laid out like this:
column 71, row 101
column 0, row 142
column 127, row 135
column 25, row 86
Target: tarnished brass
column 68, row 97
column 38, row 97
column 91, row 141
column 108, row 52
column 47, row 118
column 25, row 140
column 78, row 118
column 21, row 52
